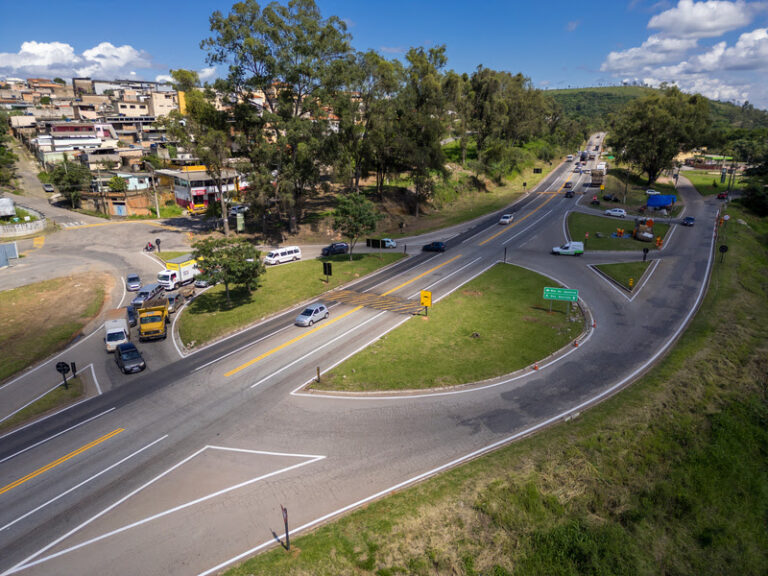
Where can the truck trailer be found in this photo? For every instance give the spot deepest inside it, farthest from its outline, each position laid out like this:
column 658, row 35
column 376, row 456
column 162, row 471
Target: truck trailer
column 178, row 271
column 116, row 329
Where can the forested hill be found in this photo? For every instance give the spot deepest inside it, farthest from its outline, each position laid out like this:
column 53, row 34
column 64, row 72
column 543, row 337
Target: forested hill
column 594, row 106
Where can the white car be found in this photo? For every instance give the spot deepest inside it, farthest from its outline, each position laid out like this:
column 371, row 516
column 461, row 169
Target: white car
column 388, row 243
column 616, row 212
column 570, row 249
column 651, row 192
column 506, row 219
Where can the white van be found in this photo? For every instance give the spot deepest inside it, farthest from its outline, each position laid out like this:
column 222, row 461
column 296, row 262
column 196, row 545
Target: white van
column 280, row 255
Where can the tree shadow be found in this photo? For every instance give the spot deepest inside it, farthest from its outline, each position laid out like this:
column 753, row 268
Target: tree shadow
column 216, row 301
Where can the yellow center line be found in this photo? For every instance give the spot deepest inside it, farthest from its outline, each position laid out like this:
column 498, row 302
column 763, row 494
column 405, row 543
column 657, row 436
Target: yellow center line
column 61, row 460
column 336, row 319
column 506, row 229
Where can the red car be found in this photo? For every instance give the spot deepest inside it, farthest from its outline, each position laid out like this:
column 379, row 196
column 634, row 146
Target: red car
column 722, row 195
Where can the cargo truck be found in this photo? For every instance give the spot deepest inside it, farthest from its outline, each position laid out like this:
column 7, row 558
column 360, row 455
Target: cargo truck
column 178, row 271
column 116, row 329
column 153, row 319
column 597, row 177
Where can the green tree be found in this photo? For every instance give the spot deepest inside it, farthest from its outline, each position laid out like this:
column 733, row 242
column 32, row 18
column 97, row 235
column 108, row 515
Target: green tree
column 460, row 105
column 60, row 81
column 229, row 261
column 291, row 57
column 117, row 184
column 7, row 158
column 354, row 216
column 421, row 115
column 185, row 80
column 71, row 178
column 651, row 131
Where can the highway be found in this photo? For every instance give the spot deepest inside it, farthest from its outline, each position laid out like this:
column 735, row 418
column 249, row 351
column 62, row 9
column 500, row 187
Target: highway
column 183, row 469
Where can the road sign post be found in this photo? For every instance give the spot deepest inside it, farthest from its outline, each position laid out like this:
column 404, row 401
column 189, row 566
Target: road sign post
column 284, row 510
column 63, row 369
column 561, row 294
column 426, row 300
column 328, row 271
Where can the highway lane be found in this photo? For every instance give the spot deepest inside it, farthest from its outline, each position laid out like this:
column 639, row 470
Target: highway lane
column 368, row 444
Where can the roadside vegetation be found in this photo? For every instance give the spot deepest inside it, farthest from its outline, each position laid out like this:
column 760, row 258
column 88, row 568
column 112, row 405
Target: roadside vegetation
column 69, row 304
column 626, row 274
column 668, row 476
column 210, row 316
column 601, row 228
column 708, row 183
column 56, row 399
column 493, row 325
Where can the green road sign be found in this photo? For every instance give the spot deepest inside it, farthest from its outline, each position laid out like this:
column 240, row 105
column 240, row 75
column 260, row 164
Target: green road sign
column 565, row 294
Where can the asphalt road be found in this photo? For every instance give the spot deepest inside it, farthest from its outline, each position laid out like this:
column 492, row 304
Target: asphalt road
column 183, row 469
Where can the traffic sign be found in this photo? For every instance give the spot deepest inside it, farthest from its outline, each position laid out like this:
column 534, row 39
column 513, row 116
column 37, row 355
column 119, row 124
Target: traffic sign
column 564, row 294
column 426, row 298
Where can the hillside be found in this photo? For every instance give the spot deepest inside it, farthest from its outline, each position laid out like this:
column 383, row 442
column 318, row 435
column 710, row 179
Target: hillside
column 594, row 106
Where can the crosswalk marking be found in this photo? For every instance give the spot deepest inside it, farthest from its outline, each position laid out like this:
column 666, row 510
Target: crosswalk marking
column 376, row 301
column 70, row 224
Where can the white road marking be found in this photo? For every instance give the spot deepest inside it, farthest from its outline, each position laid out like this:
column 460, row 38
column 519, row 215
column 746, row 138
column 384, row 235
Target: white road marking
column 83, row 483
column 27, row 562
column 527, row 228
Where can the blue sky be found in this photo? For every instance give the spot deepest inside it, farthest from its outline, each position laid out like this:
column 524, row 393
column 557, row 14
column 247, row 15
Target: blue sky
column 716, row 47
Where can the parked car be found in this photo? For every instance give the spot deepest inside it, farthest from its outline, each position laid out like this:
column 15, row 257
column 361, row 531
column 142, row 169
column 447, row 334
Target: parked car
column 434, row 247
column 128, row 358
column 688, row 221
column 506, row 219
column 652, row 192
column 311, row 314
column 335, row 248
column 569, row 193
column 722, row 195
column 388, row 243
column 611, row 198
column 49, row 188
column 594, row 201
column 570, row 249
column 132, row 282
column 281, row 255
column 616, row 212
column 133, row 316
column 236, row 209
column 201, row 283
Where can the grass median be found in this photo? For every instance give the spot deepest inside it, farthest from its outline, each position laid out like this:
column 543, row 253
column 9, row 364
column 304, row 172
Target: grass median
column 56, row 399
column 209, row 316
column 493, row 325
column 627, row 274
column 600, row 229
column 669, row 476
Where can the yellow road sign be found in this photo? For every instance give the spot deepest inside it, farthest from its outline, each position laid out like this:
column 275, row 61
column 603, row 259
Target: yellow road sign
column 426, row 298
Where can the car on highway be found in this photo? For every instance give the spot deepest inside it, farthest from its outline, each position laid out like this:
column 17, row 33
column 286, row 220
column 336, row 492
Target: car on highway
column 616, row 212
column 311, row 314
column 49, row 188
column 388, row 243
column 128, row 358
column 569, row 193
column 335, row 248
column 506, row 219
column 132, row 282
column 568, row 185
column 569, row 249
column 434, row 247
column 722, row 195
column 688, row 221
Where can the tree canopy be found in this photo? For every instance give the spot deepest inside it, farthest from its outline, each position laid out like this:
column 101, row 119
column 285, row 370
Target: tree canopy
column 354, row 216
column 229, row 261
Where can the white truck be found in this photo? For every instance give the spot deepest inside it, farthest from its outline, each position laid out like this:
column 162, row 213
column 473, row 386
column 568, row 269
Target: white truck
column 116, row 329
column 178, row 271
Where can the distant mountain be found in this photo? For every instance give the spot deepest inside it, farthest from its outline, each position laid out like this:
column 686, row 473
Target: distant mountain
column 594, row 106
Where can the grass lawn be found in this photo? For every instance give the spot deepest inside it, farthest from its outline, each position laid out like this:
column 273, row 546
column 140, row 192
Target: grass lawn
column 579, row 224
column 624, row 272
column 69, row 303
column 166, row 255
column 669, row 476
column 504, row 307
column 209, row 316
column 56, row 399
column 708, row 183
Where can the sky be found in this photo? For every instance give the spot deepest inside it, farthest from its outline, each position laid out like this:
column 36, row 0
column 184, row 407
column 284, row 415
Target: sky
column 718, row 48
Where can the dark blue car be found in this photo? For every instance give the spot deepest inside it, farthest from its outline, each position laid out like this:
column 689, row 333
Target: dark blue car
column 434, row 247
column 688, row 221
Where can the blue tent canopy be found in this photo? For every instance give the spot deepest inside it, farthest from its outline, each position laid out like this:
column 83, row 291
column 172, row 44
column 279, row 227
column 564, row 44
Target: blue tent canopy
column 661, row 200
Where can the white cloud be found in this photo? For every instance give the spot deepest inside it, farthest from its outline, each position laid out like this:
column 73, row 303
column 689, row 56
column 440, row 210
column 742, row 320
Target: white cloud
column 708, row 19
column 207, row 74
column 654, row 51
column 392, row 49
column 163, row 78
column 572, row 25
column 59, row 59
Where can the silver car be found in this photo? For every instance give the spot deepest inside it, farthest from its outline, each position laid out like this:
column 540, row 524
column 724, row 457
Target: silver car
column 132, row 282
column 311, row 314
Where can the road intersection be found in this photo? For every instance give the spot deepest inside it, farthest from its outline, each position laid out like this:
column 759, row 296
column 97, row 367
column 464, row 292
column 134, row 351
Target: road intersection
column 184, row 469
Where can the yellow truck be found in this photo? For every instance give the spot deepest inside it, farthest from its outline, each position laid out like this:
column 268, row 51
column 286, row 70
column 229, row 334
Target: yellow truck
column 197, row 209
column 153, row 319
